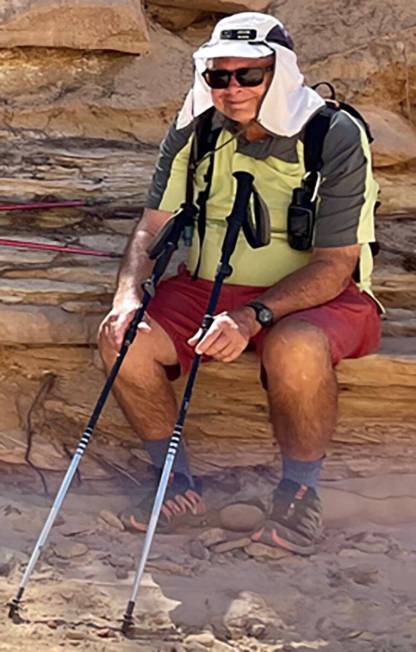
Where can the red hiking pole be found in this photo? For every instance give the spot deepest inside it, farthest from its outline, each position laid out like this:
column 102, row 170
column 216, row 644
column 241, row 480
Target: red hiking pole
column 25, row 244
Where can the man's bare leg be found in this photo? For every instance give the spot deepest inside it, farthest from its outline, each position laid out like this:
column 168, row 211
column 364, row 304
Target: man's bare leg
column 302, row 389
column 147, row 399
column 302, row 394
column 142, row 389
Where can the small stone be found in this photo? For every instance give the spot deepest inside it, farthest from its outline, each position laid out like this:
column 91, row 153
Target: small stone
column 167, row 566
column 103, row 633
column 111, row 519
column 75, row 635
column 352, row 553
column 376, row 547
column 198, row 550
column 70, row 550
column 257, row 630
column 7, row 561
column 213, row 536
column 261, row 550
column 121, row 573
column 241, row 517
column 227, row 546
column 206, row 639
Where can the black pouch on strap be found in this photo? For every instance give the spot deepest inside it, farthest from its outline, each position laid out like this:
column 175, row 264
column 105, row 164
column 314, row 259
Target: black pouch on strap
column 256, row 226
column 300, row 220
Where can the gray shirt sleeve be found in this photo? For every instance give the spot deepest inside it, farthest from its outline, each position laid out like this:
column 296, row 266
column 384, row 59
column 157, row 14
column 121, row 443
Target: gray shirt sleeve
column 342, row 193
column 174, row 141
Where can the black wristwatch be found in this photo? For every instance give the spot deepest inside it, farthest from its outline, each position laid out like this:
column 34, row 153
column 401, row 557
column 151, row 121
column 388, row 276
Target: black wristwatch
column 264, row 315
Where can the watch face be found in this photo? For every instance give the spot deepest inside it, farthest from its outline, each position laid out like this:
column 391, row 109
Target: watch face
column 265, row 316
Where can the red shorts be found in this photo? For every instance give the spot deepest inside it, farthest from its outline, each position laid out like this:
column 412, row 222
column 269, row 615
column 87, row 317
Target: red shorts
column 351, row 321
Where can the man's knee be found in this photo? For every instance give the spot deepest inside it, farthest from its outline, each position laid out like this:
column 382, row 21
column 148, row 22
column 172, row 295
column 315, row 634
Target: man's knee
column 149, row 347
column 295, row 352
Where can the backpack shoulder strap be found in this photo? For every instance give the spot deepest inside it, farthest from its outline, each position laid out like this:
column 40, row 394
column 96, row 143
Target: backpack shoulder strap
column 203, row 142
column 315, row 132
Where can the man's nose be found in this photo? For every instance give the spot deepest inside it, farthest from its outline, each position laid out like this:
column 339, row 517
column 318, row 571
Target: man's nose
column 233, row 82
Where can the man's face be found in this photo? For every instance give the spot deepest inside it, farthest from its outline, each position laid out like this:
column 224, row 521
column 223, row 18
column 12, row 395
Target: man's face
column 237, row 102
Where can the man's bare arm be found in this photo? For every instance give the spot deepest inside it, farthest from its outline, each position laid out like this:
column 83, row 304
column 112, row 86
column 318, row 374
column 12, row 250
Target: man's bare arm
column 136, row 265
column 328, row 273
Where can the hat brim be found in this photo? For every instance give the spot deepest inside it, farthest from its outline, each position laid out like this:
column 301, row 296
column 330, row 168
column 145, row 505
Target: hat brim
column 243, row 49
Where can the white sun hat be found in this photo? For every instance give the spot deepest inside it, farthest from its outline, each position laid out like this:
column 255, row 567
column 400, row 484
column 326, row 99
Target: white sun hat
column 288, row 103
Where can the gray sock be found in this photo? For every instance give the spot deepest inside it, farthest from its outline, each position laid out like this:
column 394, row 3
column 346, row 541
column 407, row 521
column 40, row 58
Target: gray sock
column 157, row 449
column 302, row 472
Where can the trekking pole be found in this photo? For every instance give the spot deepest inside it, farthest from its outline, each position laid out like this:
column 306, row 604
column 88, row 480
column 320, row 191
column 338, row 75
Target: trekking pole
column 42, row 246
column 235, row 222
column 42, row 205
column 161, row 249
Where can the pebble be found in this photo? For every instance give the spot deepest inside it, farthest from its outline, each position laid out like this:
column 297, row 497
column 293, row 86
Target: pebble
column 352, row 553
column 241, row 517
column 70, row 550
column 213, row 536
column 7, row 561
column 261, row 550
column 75, row 635
column 198, row 550
column 206, row 639
column 111, row 519
column 167, row 566
column 227, row 546
column 372, row 547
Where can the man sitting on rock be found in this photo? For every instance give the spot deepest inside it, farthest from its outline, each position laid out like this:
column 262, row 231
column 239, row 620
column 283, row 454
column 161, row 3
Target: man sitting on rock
column 301, row 310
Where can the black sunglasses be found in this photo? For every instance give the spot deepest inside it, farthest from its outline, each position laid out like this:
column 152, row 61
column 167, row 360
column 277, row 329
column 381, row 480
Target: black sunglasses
column 244, row 76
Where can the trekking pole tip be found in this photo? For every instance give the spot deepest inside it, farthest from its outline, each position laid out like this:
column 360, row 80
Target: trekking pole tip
column 127, row 618
column 14, row 611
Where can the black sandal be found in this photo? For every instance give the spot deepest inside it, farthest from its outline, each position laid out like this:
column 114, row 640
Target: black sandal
column 183, row 506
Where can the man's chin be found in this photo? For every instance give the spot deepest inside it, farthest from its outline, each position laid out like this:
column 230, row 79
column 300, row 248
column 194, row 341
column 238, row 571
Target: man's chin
column 239, row 115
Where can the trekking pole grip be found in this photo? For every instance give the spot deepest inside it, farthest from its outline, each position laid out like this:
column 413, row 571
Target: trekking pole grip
column 244, row 189
column 237, row 216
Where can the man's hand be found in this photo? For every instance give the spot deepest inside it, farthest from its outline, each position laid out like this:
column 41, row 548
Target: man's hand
column 228, row 335
column 116, row 323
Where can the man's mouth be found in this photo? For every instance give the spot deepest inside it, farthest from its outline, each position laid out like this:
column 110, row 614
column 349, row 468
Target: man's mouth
column 237, row 103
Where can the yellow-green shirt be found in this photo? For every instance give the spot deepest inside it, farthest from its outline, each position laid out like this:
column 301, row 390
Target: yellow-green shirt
column 346, row 200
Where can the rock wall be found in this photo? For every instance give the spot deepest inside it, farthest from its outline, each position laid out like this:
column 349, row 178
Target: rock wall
column 50, row 374
column 122, row 79
column 78, row 24
column 82, row 110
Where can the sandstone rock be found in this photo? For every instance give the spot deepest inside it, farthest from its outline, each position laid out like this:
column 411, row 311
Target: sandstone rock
column 241, row 517
column 249, row 612
column 80, row 24
column 268, row 552
column 213, row 536
column 397, row 190
column 198, row 550
column 228, row 546
column 47, row 291
column 366, row 49
column 70, row 550
column 111, row 519
column 221, row 6
column 206, row 639
column 7, row 561
column 395, row 137
column 30, row 324
column 173, row 18
column 103, row 276
column 94, row 94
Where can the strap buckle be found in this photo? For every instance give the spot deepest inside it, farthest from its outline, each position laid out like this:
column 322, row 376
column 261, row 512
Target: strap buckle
column 316, row 182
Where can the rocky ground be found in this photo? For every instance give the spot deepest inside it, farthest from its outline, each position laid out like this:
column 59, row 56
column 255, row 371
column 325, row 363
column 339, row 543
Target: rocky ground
column 211, row 588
